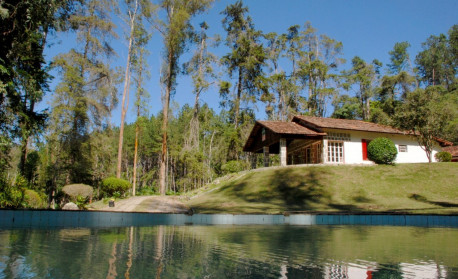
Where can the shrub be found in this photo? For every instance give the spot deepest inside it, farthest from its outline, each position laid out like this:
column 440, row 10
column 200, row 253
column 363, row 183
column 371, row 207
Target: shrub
column 443, row 156
column 147, row 191
column 112, row 185
column 33, row 199
column 12, row 195
column 75, row 190
column 382, row 151
column 81, row 202
column 234, row 166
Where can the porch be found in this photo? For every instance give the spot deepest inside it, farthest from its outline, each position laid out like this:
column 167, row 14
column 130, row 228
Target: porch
column 295, row 144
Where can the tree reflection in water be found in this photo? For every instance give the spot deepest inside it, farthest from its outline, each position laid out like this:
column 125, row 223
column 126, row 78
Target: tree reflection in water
column 230, row 252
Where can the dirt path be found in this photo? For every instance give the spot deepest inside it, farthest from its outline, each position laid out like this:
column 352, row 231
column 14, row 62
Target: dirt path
column 156, row 204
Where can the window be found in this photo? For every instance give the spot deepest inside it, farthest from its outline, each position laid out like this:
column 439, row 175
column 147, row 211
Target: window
column 335, row 152
column 402, row 148
column 338, row 136
column 263, row 134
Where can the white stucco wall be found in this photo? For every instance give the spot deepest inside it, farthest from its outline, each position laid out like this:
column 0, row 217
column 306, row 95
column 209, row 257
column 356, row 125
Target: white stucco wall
column 353, row 151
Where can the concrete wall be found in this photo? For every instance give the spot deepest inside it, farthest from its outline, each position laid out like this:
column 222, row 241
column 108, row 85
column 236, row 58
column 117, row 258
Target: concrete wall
column 353, row 153
column 92, row 219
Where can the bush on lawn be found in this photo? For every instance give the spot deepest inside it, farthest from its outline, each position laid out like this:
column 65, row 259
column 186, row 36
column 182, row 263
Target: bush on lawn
column 233, row 167
column 113, row 186
column 443, row 156
column 34, row 200
column 75, row 190
column 382, row 151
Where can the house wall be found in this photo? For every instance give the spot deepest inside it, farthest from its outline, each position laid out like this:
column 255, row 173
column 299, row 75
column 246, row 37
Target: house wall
column 353, row 151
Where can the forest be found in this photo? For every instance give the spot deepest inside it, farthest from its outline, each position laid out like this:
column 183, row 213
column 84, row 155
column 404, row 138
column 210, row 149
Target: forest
column 178, row 149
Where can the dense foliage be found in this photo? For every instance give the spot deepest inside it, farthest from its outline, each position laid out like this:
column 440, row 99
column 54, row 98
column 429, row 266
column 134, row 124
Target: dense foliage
column 112, row 186
column 443, row 156
column 34, row 199
column 382, row 151
column 299, row 71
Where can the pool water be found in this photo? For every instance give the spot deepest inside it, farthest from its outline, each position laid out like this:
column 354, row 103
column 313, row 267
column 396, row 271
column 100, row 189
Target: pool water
column 279, row 251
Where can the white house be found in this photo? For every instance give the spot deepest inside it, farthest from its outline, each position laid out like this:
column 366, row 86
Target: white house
column 317, row 140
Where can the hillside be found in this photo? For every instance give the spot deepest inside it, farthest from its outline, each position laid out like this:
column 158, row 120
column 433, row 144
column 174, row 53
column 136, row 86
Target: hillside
column 410, row 188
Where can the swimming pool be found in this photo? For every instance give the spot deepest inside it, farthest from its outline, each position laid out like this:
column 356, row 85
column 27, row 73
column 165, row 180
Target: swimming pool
column 230, row 251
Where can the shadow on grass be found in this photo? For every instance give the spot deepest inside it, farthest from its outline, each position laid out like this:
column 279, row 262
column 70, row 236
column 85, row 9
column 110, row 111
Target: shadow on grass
column 421, row 198
column 345, row 207
column 281, row 190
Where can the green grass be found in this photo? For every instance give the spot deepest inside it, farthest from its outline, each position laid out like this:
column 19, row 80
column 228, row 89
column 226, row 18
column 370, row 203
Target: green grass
column 409, row 188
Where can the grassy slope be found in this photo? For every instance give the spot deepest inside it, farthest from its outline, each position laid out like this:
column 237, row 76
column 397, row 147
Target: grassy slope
column 414, row 188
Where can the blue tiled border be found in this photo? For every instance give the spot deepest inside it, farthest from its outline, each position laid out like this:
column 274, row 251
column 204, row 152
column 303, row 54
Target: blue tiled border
column 97, row 219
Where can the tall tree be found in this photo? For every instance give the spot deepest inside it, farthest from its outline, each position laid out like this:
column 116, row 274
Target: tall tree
column 282, row 85
column 175, row 29
column 201, row 69
column 399, row 58
column 364, row 77
column 137, row 11
column 244, row 62
column 437, row 63
column 86, row 94
column 24, row 29
column 399, row 81
column 319, row 55
column 426, row 113
column 139, row 71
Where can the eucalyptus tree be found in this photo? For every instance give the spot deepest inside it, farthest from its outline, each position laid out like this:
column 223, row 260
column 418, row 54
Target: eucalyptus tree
column 175, row 29
column 140, row 72
column 86, row 93
column 364, row 77
column 244, row 62
column 294, row 103
column 319, row 56
column 201, row 67
column 282, row 86
column 399, row 81
column 137, row 12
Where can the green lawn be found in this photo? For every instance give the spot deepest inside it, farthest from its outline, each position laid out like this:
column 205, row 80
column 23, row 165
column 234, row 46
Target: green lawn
column 412, row 188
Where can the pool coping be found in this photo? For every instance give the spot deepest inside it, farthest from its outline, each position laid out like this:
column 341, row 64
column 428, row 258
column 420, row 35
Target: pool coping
column 100, row 219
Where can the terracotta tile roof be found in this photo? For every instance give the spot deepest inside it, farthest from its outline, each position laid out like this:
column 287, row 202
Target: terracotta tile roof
column 443, row 142
column 452, row 150
column 281, row 128
column 346, row 124
column 285, row 128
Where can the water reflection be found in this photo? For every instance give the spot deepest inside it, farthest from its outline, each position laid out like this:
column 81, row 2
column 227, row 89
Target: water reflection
column 230, row 252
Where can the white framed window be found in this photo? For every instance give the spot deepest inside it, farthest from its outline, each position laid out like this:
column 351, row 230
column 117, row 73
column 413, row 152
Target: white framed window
column 335, row 152
column 402, row 148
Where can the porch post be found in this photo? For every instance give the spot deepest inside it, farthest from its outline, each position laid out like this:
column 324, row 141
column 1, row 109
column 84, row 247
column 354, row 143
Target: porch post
column 282, row 152
column 324, row 153
column 253, row 160
column 266, row 156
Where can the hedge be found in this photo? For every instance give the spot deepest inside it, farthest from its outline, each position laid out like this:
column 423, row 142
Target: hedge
column 112, row 185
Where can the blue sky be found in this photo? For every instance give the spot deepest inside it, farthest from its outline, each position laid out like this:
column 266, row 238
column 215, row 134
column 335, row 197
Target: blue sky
column 368, row 29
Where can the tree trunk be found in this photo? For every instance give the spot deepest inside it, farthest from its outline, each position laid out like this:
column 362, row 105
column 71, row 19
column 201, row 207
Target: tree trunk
column 24, row 153
column 237, row 100
column 125, row 93
column 165, row 113
column 232, row 153
column 134, row 184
